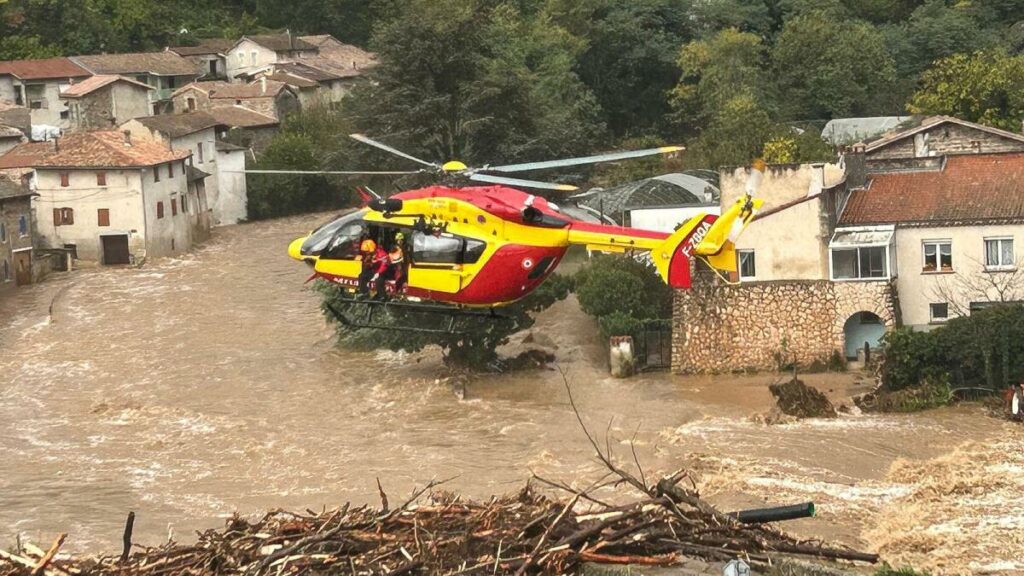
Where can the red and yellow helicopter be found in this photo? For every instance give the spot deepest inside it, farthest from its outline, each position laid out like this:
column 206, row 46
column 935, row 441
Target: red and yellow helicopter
column 488, row 246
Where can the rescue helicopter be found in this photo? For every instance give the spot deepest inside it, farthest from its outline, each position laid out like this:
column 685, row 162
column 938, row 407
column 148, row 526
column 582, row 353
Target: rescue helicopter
column 472, row 249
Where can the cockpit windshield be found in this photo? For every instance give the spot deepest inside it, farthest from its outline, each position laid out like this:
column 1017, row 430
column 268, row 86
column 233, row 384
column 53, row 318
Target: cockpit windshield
column 321, row 237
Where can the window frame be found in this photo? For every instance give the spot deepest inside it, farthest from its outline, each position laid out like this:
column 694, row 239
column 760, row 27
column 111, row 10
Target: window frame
column 753, row 263
column 1000, row 267
column 199, row 152
column 159, row 209
column 156, row 173
column 174, row 206
column 103, row 217
column 932, row 317
column 23, row 226
column 101, row 178
column 937, row 268
column 65, row 179
column 886, row 265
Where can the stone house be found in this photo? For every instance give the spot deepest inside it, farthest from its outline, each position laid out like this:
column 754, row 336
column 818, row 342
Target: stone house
column 199, row 132
column 15, row 116
column 164, row 71
column 246, row 128
column 104, row 101
column 16, row 233
column 268, row 97
column 37, row 84
column 910, row 229
column 209, row 56
column 109, row 197
column 255, row 52
column 10, row 137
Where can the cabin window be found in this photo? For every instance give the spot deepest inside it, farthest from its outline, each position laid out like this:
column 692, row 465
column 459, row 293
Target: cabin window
column 430, row 249
column 474, row 250
column 103, row 217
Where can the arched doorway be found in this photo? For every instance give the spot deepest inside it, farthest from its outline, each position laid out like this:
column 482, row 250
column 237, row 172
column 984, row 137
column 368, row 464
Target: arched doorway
column 859, row 328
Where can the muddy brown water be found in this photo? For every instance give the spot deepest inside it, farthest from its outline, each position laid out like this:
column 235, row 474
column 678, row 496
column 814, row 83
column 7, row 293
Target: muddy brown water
column 199, row 386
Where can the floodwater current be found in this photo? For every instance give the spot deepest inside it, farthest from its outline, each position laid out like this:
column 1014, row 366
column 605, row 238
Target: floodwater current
column 195, row 387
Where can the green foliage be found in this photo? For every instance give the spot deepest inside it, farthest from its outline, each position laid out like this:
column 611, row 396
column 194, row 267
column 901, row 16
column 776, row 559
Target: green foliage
column 734, row 135
column 830, row 68
column 986, row 87
column 623, row 293
column 906, row 571
column 473, row 348
column 985, row 349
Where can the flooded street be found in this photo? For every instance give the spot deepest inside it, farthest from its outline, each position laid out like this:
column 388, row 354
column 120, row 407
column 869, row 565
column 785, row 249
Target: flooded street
column 200, row 386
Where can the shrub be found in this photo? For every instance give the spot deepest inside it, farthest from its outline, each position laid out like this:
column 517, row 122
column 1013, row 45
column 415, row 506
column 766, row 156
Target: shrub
column 623, row 293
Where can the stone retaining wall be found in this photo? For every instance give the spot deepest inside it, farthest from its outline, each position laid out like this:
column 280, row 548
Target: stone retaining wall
column 764, row 325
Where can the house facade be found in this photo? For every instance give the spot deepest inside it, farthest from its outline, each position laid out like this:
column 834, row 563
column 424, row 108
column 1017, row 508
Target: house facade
column 109, row 197
column 164, row 71
column 209, row 57
column 910, row 229
column 103, row 102
column 16, row 233
column 267, row 97
column 37, row 85
column 255, row 52
column 198, row 132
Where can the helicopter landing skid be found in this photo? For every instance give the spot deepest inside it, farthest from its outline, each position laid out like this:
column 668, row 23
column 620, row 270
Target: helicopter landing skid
column 453, row 314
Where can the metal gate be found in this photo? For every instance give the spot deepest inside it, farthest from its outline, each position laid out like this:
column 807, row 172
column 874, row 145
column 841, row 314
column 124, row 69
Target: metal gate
column 654, row 345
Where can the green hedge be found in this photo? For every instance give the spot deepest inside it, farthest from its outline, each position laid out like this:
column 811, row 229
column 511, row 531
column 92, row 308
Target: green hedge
column 984, row 350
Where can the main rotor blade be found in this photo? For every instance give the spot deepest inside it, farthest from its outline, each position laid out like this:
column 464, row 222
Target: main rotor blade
column 610, row 157
column 521, row 182
column 365, row 140
column 353, row 172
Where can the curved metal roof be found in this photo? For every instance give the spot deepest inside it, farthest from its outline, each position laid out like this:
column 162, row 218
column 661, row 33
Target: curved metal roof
column 694, row 188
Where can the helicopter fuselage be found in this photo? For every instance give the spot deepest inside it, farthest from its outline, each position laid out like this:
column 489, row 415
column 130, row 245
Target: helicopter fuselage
column 477, row 246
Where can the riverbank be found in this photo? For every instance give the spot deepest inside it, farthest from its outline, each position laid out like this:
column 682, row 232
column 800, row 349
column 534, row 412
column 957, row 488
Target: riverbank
column 197, row 387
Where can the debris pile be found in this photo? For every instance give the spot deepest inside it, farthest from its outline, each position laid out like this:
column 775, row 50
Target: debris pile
column 794, row 398
column 439, row 533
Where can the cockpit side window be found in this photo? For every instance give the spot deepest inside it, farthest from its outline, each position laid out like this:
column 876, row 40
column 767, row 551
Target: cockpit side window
column 321, row 238
column 344, row 244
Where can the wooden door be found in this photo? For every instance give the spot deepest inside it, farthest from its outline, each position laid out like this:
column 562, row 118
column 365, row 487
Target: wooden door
column 115, row 249
column 23, row 267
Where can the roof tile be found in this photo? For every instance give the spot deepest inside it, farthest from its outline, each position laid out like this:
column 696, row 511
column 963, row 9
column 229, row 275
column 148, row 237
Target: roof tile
column 177, row 125
column 43, row 68
column 105, row 149
column 159, row 63
column 89, row 85
column 969, row 188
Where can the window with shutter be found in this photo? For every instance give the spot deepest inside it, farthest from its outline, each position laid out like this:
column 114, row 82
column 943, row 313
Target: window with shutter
column 159, row 210
column 68, row 216
column 65, row 179
column 170, row 169
column 174, row 206
column 101, row 178
column 156, row 173
column 56, row 217
column 103, row 217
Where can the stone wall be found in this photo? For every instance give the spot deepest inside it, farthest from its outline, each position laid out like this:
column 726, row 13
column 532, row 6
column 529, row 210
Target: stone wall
column 763, row 325
column 947, row 138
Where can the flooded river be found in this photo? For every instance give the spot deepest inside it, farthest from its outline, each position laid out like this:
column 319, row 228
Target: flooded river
column 200, row 386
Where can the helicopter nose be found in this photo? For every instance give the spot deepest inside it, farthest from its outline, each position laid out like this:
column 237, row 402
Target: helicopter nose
column 295, row 248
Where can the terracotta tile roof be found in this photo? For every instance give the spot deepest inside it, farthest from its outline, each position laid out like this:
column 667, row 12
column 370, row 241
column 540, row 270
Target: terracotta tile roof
column 105, row 149
column 158, row 63
column 205, row 47
column 280, row 42
column 43, row 68
column 87, row 86
column 340, row 54
column 305, row 71
column 177, row 125
column 931, row 122
column 239, row 117
column 968, row 189
column 217, row 89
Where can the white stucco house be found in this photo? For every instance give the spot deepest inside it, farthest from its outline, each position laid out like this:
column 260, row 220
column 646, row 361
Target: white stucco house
column 37, row 85
column 199, row 132
column 255, row 52
column 164, row 71
column 112, row 198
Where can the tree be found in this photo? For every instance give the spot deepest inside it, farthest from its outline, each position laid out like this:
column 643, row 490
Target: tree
column 735, row 135
column 273, row 195
column 985, row 87
column 935, row 31
column 348, row 20
column 623, row 294
column 481, row 84
column 630, row 64
column 829, row 68
column 475, row 341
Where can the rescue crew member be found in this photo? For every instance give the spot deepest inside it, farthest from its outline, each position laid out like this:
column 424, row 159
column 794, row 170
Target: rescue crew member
column 367, row 250
column 396, row 263
column 379, row 267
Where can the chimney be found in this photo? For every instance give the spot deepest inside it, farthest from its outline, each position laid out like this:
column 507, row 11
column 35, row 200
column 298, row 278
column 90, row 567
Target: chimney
column 127, row 137
column 855, row 161
column 263, row 84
